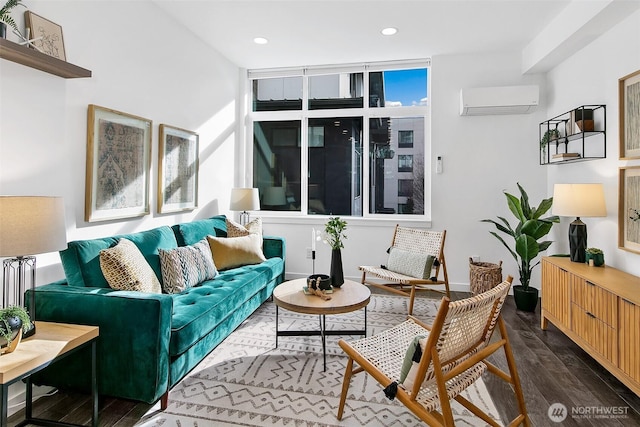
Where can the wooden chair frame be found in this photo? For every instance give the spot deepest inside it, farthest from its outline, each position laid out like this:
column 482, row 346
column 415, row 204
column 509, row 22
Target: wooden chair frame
column 445, row 368
column 412, row 240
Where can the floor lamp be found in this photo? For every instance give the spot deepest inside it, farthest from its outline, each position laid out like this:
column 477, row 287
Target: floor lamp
column 579, row 200
column 29, row 225
column 244, row 199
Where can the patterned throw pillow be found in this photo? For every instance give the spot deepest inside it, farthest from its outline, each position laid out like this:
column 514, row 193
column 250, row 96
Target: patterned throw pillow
column 412, row 264
column 230, row 252
column 186, row 266
column 125, row 269
column 238, row 230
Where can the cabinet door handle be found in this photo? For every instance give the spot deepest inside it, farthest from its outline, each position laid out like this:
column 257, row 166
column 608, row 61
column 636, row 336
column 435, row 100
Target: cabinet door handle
column 591, row 315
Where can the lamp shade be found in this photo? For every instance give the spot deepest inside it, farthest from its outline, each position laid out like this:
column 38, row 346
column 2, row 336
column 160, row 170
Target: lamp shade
column 274, row 196
column 244, row 199
column 579, row 200
column 31, row 225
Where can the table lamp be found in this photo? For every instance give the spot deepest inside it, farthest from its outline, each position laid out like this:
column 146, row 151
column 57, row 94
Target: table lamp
column 579, row 200
column 29, row 225
column 244, row 199
column 274, row 197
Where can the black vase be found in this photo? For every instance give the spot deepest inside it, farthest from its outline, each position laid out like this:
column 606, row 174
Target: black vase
column 337, row 276
column 526, row 299
column 3, row 30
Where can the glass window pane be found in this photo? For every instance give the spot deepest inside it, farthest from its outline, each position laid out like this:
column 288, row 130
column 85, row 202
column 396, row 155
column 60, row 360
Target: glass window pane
column 336, row 91
column 335, row 166
column 276, row 164
column 398, row 88
column 396, row 186
column 274, row 94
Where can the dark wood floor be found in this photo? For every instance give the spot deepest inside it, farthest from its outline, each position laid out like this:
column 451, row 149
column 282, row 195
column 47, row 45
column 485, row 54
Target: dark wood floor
column 552, row 368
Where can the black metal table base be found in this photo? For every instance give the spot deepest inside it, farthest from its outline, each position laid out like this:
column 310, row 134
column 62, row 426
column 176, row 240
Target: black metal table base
column 323, row 332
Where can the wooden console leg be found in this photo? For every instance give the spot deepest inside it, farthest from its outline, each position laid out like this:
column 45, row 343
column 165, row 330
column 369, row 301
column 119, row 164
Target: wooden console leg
column 164, row 401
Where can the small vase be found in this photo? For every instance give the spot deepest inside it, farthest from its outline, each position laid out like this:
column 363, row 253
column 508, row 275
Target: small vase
column 15, row 324
column 3, row 30
column 337, row 276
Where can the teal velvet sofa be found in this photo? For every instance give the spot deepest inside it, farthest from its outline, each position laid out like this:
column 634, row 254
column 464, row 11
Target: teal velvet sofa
column 149, row 342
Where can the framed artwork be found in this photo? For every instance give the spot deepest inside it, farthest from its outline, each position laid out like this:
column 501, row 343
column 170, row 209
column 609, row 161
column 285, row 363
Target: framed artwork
column 177, row 170
column 46, row 34
column 629, row 110
column 629, row 209
column 118, row 165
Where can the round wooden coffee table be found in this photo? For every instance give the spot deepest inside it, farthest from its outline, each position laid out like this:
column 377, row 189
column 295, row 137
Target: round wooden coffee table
column 351, row 296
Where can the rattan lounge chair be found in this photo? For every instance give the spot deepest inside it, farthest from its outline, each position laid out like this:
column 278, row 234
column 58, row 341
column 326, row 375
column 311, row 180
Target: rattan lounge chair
column 412, row 240
column 454, row 352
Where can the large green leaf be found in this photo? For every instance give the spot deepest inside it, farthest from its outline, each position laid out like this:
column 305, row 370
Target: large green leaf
column 524, row 201
column 526, row 247
column 500, row 227
column 536, row 228
column 515, row 206
column 497, row 236
column 545, row 205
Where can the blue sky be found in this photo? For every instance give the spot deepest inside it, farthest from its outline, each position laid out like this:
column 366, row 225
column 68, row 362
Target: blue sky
column 406, row 86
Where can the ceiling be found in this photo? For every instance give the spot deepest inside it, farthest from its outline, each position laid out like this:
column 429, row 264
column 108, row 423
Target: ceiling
column 313, row 32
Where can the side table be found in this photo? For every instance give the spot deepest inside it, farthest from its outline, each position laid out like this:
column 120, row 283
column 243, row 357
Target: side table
column 52, row 342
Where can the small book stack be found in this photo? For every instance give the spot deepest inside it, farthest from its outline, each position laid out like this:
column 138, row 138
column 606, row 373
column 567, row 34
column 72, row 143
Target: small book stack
column 564, row 156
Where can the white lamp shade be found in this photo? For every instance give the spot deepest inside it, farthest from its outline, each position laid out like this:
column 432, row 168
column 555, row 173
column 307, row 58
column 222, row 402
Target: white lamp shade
column 31, row 225
column 244, row 199
column 274, row 196
column 579, row 200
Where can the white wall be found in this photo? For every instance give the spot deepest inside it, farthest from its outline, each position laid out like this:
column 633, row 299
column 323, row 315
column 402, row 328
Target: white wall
column 143, row 64
column 590, row 76
column 482, row 157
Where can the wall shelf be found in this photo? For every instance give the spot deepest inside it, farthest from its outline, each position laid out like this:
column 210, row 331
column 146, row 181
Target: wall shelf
column 577, row 140
column 32, row 58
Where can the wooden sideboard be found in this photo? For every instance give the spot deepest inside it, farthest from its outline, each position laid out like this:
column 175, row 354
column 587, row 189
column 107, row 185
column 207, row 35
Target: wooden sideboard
column 599, row 309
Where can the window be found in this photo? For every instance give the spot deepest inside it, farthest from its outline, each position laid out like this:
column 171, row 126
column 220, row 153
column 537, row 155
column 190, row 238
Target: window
column 405, row 163
column 319, row 149
column 405, row 138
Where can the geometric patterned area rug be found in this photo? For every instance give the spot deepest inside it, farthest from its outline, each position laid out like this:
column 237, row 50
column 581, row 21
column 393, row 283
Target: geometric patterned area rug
column 247, row 381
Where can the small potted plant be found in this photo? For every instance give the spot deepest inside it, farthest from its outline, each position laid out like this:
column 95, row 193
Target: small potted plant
column 5, row 17
column 14, row 321
column 334, row 229
column 594, row 257
column 549, row 135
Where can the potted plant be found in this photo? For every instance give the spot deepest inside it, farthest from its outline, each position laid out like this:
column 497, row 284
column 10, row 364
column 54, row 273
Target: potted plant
column 530, row 228
column 5, row 17
column 596, row 255
column 334, row 230
column 13, row 321
column 549, row 135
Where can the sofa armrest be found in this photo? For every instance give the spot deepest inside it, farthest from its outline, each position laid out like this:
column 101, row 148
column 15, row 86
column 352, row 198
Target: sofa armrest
column 273, row 247
column 133, row 346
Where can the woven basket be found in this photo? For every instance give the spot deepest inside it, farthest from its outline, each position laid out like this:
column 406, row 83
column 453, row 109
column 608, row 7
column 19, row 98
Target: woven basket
column 484, row 276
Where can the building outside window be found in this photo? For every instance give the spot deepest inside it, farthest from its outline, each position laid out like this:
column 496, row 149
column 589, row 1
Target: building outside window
column 318, row 149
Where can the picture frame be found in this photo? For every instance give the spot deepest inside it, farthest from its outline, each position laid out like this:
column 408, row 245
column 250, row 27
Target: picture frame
column 118, row 165
column 178, row 166
column 47, row 35
column 629, row 115
column 629, row 209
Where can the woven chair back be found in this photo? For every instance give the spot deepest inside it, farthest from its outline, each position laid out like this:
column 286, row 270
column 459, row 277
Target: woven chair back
column 417, row 240
column 470, row 322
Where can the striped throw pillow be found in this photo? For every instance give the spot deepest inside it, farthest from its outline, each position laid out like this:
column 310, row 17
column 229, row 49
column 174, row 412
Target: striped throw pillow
column 186, row 266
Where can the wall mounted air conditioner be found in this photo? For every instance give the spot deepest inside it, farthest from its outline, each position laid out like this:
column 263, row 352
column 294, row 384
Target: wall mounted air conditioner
column 482, row 101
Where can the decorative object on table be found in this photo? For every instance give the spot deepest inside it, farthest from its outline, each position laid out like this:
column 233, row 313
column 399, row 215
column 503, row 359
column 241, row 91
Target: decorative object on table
column 14, row 322
column 244, row 199
column 6, row 19
column 530, row 229
column 483, row 276
column 629, row 115
column 319, row 281
column 118, row 165
column 579, row 200
column 594, row 257
column 629, row 209
column 335, row 234
column 48, row 35
column 177, row 170
column 29, row 225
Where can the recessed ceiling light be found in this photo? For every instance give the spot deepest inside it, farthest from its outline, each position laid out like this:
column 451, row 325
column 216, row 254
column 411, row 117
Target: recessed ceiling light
column 389, row 31
column 260, row 40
